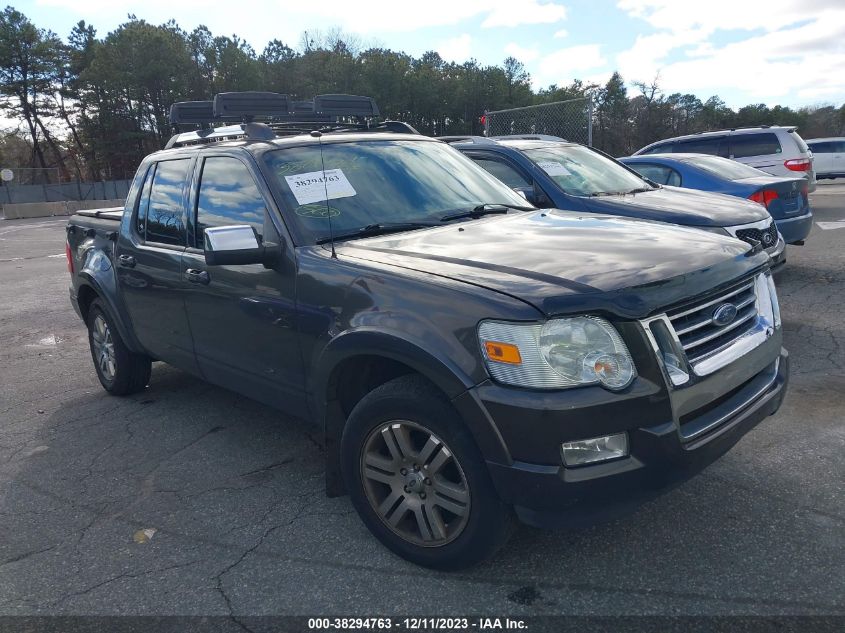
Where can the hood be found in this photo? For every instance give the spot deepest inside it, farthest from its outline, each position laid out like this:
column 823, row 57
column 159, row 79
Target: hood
column 560, row 261
column 689, row 207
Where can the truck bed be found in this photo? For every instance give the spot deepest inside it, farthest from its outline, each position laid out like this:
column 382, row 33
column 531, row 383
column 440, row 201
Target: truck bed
column 110, row 213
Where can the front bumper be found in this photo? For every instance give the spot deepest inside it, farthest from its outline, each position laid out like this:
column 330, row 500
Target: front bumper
column 663, row 450
column 795, row 229
column 778, row 254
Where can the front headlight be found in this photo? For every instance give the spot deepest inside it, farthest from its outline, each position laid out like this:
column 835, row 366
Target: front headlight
column 768, row 306
column 560, row 353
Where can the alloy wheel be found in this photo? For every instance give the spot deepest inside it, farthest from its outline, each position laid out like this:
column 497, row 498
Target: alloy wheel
column 103, row 347
column 414, row 483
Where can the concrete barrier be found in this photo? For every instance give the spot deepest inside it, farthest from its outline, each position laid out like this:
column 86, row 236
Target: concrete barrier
column 47, row 209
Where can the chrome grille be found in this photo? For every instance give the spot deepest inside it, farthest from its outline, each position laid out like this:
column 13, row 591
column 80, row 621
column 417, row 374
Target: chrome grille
column 694, row 324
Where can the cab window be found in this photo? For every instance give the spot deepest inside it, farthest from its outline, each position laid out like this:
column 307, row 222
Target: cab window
column 166, row 217
column 504, row 172
column 227, row 195
column 144, row 202
column 660, row 174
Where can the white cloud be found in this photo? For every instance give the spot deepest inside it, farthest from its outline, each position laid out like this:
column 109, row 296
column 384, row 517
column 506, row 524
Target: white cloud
column 508, row 13
column 749, row 15
column 567, row 64
column 521, row 53
column 797, row 57
column 456, row 49
column 361, row 16
column 561, row 33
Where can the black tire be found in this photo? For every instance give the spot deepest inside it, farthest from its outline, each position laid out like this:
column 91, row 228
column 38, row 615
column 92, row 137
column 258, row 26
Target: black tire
column 122, row 372
column 414, row 407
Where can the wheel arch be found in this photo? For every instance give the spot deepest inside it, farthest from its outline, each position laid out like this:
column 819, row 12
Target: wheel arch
column 355, row 363
column 89, row 289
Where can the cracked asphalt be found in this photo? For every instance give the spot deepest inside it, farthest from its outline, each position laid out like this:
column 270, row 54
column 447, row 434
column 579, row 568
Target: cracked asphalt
column 232, row 493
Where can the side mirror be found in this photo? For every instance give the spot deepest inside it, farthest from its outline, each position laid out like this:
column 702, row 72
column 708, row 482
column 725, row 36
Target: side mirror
column 234, row 245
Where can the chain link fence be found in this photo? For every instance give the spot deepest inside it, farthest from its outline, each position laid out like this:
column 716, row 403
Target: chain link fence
column 12, row 176
column 572, row 120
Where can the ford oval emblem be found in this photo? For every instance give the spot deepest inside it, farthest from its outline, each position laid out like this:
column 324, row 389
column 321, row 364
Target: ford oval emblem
column 724, row 314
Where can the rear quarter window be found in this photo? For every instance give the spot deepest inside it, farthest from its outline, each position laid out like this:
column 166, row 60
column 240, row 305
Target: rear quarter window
column 747, row 145
column 166, row 214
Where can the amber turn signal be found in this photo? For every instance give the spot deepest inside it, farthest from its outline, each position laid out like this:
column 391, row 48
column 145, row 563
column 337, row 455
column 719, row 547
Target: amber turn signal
column 502, row 352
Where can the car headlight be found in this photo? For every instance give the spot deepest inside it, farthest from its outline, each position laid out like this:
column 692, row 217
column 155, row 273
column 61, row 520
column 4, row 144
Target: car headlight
column 560, row 353
column 768, row 306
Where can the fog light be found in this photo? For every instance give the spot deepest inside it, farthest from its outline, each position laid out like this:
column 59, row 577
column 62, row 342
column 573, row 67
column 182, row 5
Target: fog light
column 597, row 449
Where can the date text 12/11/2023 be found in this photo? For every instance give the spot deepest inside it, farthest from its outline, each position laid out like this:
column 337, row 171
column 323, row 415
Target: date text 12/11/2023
column 417, row 624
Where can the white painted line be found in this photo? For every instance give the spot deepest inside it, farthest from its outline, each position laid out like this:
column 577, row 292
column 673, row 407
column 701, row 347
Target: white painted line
column 59, row 255
column 831, row 225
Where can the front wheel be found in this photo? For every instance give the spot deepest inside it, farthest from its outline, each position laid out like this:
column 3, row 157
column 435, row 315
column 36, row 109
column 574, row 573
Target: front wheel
column 121, row 372
column 418, row 480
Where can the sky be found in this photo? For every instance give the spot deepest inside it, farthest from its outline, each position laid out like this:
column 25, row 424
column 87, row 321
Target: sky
column 783, row 52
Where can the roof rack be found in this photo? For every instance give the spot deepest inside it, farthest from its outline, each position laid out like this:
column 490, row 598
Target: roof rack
column 527, row 137
column 278, row 114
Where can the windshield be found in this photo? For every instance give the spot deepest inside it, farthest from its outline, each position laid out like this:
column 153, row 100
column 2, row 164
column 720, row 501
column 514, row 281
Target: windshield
column 579, row 171
column 725, row 167
column 380, row 182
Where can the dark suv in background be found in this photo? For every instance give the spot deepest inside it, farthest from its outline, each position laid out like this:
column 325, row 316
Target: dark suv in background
column 551, row 172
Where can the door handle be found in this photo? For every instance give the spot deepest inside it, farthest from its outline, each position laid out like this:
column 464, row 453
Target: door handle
column 197, row 276
column 127, row 260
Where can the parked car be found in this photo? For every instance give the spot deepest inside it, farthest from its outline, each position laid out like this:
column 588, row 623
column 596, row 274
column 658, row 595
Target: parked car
column 785, row 198
column 551, row 172
column 777, row 150
column 829, row 156
column 464, row 354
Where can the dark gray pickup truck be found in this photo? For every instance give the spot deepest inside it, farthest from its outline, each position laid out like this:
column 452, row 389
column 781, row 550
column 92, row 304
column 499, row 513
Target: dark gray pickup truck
column 467, row 357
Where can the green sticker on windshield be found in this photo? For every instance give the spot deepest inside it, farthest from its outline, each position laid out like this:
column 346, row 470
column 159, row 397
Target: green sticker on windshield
column 317, row 210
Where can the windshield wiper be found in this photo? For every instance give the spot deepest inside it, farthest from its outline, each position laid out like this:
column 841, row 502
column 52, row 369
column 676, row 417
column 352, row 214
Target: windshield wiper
column 596, row 194
column 488, row 208
column 371, row 230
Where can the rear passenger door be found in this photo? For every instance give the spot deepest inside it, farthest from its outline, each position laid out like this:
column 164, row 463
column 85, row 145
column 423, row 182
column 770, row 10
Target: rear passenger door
column 149, row 264
column 243, row 318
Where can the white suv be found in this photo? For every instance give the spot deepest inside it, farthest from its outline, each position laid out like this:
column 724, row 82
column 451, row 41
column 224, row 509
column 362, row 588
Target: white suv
column 828, row 156
column 777, row 150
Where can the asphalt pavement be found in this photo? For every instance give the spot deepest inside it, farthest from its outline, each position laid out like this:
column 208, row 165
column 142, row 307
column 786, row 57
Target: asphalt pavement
column 188, row 499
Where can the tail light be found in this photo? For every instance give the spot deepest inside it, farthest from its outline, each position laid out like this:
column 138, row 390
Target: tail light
column 69, row 256
column 764, row 196
column 797, row 164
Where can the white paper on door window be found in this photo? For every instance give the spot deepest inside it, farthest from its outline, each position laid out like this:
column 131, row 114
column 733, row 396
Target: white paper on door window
column 316, row 186
column 554, row 168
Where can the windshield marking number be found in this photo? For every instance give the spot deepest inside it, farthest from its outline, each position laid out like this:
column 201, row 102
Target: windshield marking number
column 553, row 168
column 313, row 186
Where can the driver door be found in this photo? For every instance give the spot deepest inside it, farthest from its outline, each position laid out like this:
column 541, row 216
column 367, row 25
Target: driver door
column 242, row 317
